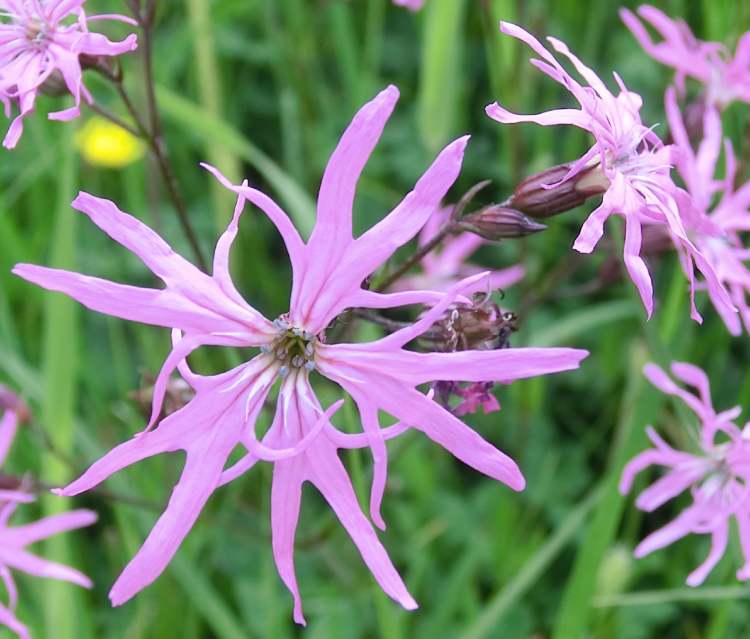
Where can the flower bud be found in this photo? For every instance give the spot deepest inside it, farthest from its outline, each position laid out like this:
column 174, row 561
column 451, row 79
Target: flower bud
column 614, row 572
column 535, row 197
column 10, row 482
column 499, row 222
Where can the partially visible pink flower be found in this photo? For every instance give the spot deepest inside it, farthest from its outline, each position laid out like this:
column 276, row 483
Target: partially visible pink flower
column 724, row 77
column 716, row 229
column 635, row 166
column 413, row 5
column 39, row 38
column 14, row 540
column 328, row 272
column 717, row 475
column 446, row 265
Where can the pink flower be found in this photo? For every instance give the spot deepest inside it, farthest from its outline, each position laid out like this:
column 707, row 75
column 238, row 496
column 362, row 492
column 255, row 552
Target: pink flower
column 446, row 265
column 40, row 38
column 725, row 78
column 328, row 272
column 13, row 540
column 717, row 476
column 412, row 5
column 715, row 230
column 635, row 165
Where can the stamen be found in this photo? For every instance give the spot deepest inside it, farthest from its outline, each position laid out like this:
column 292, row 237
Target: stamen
column 293, row 346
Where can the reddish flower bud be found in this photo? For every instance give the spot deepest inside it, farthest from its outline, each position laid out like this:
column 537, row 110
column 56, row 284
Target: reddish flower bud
column 10, row 482
column 499, row 222
column 536, row 198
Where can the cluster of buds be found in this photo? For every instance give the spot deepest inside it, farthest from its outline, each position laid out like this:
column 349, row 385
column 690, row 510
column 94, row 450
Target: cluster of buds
column 479, row 325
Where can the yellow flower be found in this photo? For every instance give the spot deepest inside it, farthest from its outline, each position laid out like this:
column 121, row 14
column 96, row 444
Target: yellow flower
column 103, row 143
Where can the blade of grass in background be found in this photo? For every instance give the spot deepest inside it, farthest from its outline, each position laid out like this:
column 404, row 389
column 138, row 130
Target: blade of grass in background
column 440, row 86
column 210, row 94
column 212, row 129
column 486, row 624
column 65, row 615
column 641, row 404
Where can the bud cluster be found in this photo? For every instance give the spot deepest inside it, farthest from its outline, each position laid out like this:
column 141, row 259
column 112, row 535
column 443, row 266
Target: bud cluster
column 479, row 325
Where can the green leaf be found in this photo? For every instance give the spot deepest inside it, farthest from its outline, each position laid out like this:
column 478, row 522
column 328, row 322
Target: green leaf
column 210, row 128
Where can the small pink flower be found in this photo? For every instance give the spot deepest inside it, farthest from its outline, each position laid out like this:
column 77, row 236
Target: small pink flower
column 716, row 229
column 725, row 78
column 328, row 271
column 412, row 5
column 13, row 540
column 635, row 165
column 717, row 476
column 39, row 38
column 445, row 266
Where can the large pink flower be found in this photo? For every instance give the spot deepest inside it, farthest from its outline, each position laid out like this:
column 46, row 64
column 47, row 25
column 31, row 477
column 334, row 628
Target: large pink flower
column 635, row 165
column 716, row 229
column 328, row 272
column 39, row 38
column 717, row 476
column 724, row 77
column 14, row 540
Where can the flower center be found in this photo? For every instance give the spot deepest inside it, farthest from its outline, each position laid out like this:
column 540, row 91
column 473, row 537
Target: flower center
column 293, row 347
column 36, row 31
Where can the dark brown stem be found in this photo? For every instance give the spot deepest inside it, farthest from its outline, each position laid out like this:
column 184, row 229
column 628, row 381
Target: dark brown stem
column 108, row 115
column 450, row 226
column 156, row 141
column 380, row 320
column 151, row 130
column 417, row 256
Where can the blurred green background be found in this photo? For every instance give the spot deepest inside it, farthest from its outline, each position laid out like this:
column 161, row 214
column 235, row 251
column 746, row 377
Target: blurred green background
column 263, row 89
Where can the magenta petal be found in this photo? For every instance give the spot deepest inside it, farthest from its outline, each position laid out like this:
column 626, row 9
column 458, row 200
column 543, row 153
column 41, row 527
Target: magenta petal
column 719, row 538
column 676, row 529
column 286, row 495
column 452, row 434
column 333, row 227
column 375, row 246
column 49, row 526
column 8, row 619
column 8, row 426
column 465, row 366
column 147, row 305
column 329, row 477
column 171, row 435
column 203, row 467
column 33, row 565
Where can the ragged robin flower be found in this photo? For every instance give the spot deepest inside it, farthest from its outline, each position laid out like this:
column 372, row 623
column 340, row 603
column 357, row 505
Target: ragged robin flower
column 717, row 475
column 631, row 159
column 15, row 539
column 41, row 40
column 302, row 443
column 725, row 78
